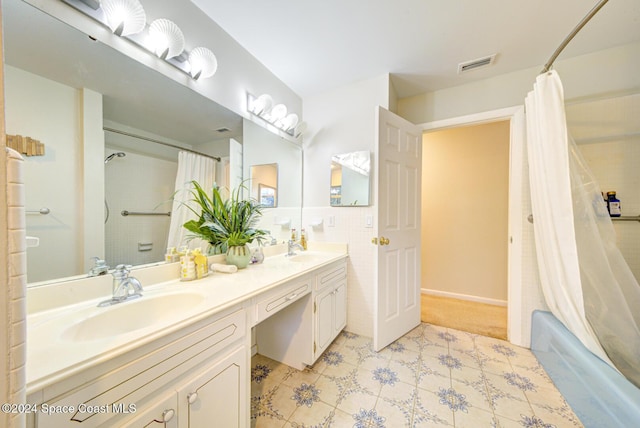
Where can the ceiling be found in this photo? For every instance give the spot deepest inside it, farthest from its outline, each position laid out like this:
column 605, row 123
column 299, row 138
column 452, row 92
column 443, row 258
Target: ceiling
column 314, row 46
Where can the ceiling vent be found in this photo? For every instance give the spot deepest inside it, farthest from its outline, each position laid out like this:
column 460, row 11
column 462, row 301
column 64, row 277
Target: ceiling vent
column 463, row 67
column 221, row 130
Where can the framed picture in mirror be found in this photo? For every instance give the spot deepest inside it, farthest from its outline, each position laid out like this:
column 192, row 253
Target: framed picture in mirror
column 267, row 195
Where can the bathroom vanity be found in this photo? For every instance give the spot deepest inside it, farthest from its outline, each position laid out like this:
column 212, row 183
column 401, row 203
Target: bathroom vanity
column 180, row 355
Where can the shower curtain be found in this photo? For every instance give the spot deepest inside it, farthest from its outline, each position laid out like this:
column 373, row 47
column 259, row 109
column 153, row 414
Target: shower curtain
column 190, row 167
column 585, row 281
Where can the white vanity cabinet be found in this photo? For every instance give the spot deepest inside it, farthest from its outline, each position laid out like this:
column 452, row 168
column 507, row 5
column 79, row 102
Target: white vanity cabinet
column 329, row 306
column 163, row 413
column 218, row 395
column 316, row 313
column 188, row 378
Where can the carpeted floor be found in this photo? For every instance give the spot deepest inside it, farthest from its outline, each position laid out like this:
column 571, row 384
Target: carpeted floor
column 472, row 317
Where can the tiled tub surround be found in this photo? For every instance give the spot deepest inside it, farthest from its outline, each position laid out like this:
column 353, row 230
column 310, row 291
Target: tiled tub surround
column 431, row 377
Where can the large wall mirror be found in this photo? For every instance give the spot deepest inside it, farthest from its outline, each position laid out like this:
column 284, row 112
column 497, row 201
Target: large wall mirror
column 105, row 121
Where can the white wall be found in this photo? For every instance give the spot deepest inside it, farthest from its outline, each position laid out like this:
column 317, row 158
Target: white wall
column 341, row 121
column 465, row 194
column 55, row 114
column 602, row 73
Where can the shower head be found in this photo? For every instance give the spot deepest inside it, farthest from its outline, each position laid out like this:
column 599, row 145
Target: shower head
column 112, row 155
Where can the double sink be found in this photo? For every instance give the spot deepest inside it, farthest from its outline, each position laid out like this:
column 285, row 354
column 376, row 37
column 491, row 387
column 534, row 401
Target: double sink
column 155, row 307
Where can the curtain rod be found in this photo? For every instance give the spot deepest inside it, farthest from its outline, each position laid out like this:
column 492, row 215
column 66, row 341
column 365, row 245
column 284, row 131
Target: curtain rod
column 117, row 131
column 571, row 35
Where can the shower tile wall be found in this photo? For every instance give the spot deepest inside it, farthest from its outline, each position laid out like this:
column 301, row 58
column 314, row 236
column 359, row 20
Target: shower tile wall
column 137, row 183
column 608, row 135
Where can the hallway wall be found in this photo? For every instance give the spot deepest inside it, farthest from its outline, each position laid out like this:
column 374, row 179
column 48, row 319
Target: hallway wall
column 465, row 182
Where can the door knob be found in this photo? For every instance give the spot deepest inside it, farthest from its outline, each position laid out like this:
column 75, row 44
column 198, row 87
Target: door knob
column 384, row 241
column 191, row 398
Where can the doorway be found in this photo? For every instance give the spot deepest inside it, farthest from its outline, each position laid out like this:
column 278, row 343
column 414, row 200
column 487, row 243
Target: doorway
column 465, row 214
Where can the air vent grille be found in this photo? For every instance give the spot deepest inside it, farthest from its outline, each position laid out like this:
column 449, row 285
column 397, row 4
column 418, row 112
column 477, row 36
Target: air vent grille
column 463, row 67
column 221, row 130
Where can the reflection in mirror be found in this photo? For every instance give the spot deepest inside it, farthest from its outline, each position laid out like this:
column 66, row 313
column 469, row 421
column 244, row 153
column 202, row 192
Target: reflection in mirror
column 350, row 179
column 275, row 157
column 69, row 99
column 264, row 184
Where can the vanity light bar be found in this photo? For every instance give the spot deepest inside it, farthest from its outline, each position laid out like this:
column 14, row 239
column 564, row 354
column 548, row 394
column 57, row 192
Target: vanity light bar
column 275, row 115
column 206, row 59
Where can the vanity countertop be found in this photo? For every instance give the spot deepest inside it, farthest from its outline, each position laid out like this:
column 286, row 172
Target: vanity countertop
column 66, row 340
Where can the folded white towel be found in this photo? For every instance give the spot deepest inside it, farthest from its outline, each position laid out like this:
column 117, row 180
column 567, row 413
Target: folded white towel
column 219, row 267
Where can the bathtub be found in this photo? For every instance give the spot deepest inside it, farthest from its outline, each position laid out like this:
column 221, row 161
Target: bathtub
column 598, row 394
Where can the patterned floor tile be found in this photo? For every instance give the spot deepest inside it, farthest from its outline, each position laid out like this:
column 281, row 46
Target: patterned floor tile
column 317, row 415
column 431, row 377
column 474, row 417
column 430, row 412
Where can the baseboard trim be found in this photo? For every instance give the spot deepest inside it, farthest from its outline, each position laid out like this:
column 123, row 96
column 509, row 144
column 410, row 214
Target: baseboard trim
column 478, row 299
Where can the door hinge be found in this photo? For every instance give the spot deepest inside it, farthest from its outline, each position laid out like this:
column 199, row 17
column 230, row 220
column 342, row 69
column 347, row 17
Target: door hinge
column 314, row 346
column 314, row 307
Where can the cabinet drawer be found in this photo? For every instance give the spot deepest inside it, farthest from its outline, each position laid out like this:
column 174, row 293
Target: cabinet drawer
column 331, row 274
column 281, row 298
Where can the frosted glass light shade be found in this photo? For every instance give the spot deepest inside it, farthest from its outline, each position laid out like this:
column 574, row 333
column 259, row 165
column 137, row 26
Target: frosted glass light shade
column 299, row 129
column 290, row 121
column 124, row 17
column 278, row 112
column 203, row 63
column 166, row 38
column 262, row 104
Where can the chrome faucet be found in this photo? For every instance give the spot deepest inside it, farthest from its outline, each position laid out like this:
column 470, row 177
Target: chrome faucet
column 292, row 245
column 125, row 287
column 99, row 267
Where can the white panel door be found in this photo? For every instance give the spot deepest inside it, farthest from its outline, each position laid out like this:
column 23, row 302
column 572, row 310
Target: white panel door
column 397, row 297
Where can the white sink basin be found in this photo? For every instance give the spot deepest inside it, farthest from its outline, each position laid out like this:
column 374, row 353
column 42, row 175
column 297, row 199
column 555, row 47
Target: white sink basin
column 128, row 316
column 307, row 258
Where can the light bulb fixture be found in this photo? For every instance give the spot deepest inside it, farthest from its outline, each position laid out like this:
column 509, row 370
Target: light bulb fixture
column 277, row 113
column 261, row 105
column 124, row 17
column 127, row 19
column 290, row 121
column 203, row 63
column 299, row 129
column 276, row 116
column 166, row 38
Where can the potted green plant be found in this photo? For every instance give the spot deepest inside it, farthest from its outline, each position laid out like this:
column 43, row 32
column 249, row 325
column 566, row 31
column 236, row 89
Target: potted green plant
column 228, row 225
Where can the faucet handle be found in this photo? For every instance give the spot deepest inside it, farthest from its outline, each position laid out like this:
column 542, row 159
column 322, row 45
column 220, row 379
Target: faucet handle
column 99, row 267
column 122, row 271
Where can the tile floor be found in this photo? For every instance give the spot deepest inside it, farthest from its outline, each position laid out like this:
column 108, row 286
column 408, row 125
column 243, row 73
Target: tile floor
column 431, row 377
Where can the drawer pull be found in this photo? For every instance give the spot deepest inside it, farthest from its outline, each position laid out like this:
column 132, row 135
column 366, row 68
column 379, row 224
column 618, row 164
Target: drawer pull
column 168, row 414
column 192, row 398
column 293, row 296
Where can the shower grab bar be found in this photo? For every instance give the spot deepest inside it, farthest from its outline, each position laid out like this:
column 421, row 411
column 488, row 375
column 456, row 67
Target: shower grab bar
column 127, row 213
column 42, row 211
column 626, row 218
column 622, row 218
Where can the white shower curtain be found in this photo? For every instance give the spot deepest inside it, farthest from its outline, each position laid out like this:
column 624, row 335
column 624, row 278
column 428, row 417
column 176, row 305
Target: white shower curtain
column 190, row 167
column 585, row 281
